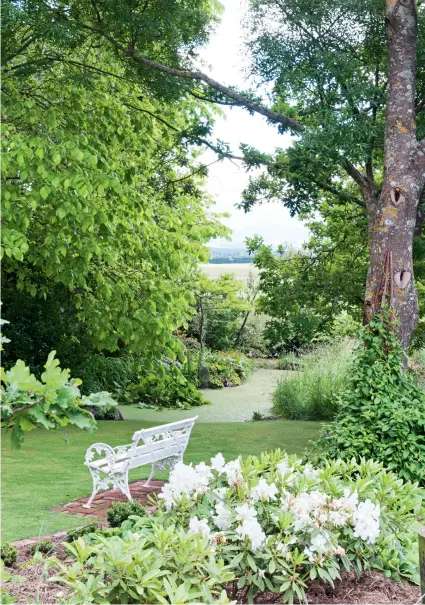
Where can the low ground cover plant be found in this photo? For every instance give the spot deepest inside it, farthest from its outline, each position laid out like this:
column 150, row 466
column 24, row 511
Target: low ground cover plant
column 311, row 393
column 8, row 554
column 268, row 523
column 121, row 511
column 382, row 411
column 74, row 534
column 43, row 546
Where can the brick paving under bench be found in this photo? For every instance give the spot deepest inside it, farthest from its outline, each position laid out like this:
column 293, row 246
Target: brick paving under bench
column 103, row 501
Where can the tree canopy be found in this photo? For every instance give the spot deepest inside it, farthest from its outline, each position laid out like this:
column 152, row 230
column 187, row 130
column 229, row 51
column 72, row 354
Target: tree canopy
column 102, row 196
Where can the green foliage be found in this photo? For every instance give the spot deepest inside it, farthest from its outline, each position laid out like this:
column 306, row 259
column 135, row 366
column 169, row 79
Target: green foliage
column 257, row 416
column 7, row 579
column 220, row 304
column 362, row 514
column 8, row 554
column 227, row 368
column 155, row 565
column 6, row 598
column 74, row 534
column 306, row 294
column 113, row 373
column 53, row 402
column 382, row 412
column 43, row 546
column 94, row 201
column 166, row 386
column 121, row 511
column 312, row 393
column 344, row 325
column 289, row 361
column 417, row 364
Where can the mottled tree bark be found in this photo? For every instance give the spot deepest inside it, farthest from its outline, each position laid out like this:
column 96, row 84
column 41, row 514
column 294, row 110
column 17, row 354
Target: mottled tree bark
column 392, row 216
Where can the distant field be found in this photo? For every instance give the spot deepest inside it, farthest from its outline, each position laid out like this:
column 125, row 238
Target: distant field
column 240, row 270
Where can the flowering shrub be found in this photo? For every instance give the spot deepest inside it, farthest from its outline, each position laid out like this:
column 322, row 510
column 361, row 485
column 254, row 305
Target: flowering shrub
column 279, row 523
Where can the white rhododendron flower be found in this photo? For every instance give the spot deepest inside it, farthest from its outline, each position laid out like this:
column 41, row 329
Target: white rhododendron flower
column 199, row 526
column 204, row 472
column 184, row 479
column 233, row 472
column 309, row 510
column 310, row 473
column 366, row 520
column 342, row 509
column 245, row 512
column 218, row 462
column 295, row 504
column 264, row 491
column 223, row 517
column 251, row 529
column 320, row 543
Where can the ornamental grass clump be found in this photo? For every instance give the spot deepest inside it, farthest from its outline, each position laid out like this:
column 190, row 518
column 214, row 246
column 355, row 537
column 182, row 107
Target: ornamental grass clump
column 312, row 392
column 382, row 412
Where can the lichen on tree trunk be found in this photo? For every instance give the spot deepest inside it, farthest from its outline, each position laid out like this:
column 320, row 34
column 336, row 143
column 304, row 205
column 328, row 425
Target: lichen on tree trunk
column 393, row 214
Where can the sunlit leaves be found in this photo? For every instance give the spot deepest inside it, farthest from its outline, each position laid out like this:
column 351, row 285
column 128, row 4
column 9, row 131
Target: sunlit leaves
column 99, row 197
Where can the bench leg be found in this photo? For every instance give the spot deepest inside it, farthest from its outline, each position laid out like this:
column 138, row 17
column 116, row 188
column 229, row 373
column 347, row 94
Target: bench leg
column 122, row 484
column 161, row 465
column 150, row 476
column 95, row 478
column 88, row 505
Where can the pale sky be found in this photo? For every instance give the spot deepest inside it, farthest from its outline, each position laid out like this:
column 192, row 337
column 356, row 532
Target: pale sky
column 224, row 61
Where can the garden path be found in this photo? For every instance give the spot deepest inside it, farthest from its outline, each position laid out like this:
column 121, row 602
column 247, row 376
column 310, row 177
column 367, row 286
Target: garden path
column 234, row 404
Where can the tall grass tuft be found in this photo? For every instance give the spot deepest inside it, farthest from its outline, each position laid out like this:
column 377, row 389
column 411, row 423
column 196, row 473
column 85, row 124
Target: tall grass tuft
column 311, row 393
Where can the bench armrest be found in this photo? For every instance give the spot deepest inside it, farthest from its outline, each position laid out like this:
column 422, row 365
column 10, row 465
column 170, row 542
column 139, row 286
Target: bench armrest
column 99, row 453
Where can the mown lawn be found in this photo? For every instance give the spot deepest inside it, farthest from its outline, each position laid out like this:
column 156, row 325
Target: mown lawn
column 48, row 471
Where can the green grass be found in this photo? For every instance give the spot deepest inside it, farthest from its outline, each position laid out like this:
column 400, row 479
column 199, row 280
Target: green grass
column 48, row 471
column 312, row 393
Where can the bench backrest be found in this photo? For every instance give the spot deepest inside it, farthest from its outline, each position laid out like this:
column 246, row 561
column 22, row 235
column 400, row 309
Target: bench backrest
column 161, row 441
column 147, row 446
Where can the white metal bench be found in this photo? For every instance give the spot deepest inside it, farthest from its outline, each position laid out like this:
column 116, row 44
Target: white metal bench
column 160, row 446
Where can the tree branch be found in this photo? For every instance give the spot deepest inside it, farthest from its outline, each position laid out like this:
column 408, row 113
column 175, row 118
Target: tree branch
column 347, row 197
column 22, row 409
column 199, row 76
column 193, row 137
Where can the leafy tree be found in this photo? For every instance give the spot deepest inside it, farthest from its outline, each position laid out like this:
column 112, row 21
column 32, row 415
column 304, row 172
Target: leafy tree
column 353, row 73
column 100, row 197
column 302, row 292
column 346, row 78
column 305, row 292
column 219, row 304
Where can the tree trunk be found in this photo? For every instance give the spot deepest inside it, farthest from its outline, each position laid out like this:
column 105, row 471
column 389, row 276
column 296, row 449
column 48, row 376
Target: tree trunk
column 203, row 373
column 392, row 217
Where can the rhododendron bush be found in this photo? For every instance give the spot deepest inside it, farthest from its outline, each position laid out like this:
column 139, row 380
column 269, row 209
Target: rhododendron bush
column 232, row 531
column 280, row 523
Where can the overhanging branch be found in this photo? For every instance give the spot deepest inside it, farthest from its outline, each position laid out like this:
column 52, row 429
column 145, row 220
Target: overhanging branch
column 199, row 76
